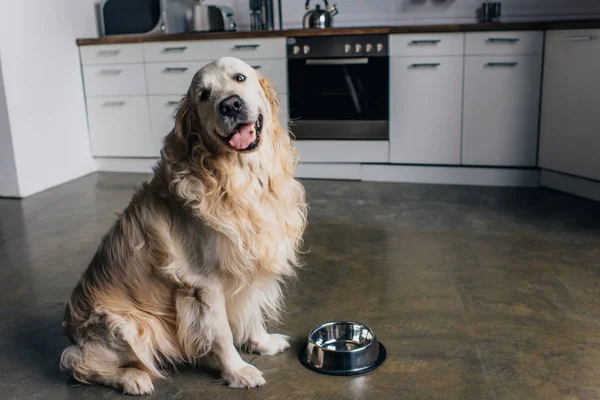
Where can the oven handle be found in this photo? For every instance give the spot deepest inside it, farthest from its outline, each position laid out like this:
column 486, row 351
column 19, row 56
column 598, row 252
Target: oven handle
column 337, row 61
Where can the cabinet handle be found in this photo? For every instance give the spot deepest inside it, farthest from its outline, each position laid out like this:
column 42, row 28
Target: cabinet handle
column 257, row 66
column 110, row 71
column 176, row 69
column 246, row 46
column 108, row 52
column 501, row 64
column 174, row 49
column 580, row 38
column 425, row 41
column 113, row 104
column 172, row 103
column 503, row 40
column 425, row 65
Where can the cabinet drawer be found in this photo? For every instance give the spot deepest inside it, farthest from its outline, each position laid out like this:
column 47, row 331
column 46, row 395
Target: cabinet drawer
column 504, row 43
column 119, row 127
column 171, row 78
column 114, row 80
column 112, row 54
column 245, row 49
column 275, row 71
column 501, row 108
column 428, row 44
column 175, row 77
column 425, row 110
column 572, row 40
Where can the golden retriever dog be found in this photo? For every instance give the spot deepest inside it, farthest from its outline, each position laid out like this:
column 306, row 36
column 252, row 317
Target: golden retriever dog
column 191, row 271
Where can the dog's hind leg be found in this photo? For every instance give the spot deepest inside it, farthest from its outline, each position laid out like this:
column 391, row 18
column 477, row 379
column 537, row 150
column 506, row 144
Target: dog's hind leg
column 203, row 330
column 96, row 362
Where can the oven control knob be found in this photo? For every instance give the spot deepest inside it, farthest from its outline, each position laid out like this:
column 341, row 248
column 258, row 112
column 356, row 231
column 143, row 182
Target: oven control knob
column 306, row 49
column 379, row 47
column 296, row 49
column 347, row 48
column 368, row 47
column 358, row 48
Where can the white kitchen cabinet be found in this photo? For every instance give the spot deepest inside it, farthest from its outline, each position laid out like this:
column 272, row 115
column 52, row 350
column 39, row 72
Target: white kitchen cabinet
column 114, row 80
column 172, row 78
column 501, row 109
column 119, row 127
column 162, row 118
column 246, row 49
column 425, row 110
column 570, row 123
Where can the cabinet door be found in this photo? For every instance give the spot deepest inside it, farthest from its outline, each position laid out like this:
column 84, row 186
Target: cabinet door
column 425, row 110
column 162, row 118
column 570, row 123
column 119, row 127
column 501, row 109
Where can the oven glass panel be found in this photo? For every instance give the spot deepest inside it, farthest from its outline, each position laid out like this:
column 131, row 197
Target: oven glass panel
column 335, row 90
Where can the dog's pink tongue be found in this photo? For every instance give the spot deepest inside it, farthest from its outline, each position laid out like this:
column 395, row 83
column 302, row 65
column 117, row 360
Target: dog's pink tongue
column 243, row 138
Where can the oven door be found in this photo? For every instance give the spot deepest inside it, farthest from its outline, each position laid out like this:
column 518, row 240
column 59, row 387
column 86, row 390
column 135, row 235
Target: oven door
column 339, row 98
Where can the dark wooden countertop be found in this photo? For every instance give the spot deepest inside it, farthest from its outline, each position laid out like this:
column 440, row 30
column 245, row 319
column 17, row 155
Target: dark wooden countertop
column 475, row 27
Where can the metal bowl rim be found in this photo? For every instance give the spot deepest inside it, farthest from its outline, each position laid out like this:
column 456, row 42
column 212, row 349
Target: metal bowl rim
column 358, row 349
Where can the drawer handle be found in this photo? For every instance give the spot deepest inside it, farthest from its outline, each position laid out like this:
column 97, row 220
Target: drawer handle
column 176, row 69
column 111, row 71
column 580, row 38
column 172, row 103
column 108, row 52
column 425, row 65
column 257, row 66
column 425, row 41
column 174, row 49
column 503, row 40
column 113, row 104
column 502, row 64
column 246, row 46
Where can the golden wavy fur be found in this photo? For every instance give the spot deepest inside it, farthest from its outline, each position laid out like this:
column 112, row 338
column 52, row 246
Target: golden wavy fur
column 192, row 269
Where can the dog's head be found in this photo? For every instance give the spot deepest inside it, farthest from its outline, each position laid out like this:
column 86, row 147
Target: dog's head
column 228, row 109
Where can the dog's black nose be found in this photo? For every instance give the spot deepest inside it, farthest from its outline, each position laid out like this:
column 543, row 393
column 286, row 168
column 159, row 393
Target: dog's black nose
column 231, row 105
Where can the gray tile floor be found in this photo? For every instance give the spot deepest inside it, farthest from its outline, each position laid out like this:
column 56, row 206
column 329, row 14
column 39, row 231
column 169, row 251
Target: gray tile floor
column 477, row 293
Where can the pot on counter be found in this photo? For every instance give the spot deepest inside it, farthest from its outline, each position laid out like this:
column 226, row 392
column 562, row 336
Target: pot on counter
column 319, row 18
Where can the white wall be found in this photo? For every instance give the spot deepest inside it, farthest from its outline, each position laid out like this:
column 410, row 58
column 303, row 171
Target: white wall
column 44, row 90
column 9, row 186
column 398, row 12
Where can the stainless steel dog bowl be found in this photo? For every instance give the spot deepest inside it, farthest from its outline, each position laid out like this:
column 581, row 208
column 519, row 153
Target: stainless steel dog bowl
column 342, row 348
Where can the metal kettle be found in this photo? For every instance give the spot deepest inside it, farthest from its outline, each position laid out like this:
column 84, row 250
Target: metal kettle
column 319, row 18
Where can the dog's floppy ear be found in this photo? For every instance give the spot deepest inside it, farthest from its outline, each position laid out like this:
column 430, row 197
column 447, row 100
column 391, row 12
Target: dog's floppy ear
column 178, row 144
column 271, row 95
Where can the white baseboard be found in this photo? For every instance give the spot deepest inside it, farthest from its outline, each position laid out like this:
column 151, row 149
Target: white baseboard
column 373, row 172
column 143, row 165
column 451, row 175
column 343, row 151
column 571, row 184
column 328, row 171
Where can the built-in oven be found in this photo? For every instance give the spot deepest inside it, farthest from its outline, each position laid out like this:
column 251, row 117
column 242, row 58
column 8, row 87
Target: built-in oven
column 339, row 87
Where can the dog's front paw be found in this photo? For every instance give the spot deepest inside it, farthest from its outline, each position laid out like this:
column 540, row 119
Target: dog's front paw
column 271, row 344
column 136, row 382
column 245, row 377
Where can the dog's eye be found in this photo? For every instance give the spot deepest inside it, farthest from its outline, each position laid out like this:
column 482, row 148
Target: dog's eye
column 205, row 95
column 239, row 77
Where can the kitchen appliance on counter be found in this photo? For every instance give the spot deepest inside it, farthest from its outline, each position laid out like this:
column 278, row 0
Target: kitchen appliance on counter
column 262, row 15
column 212, row 18
column 489, row 12
column 339, row 87
column 319, row 18
column 130, row 17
